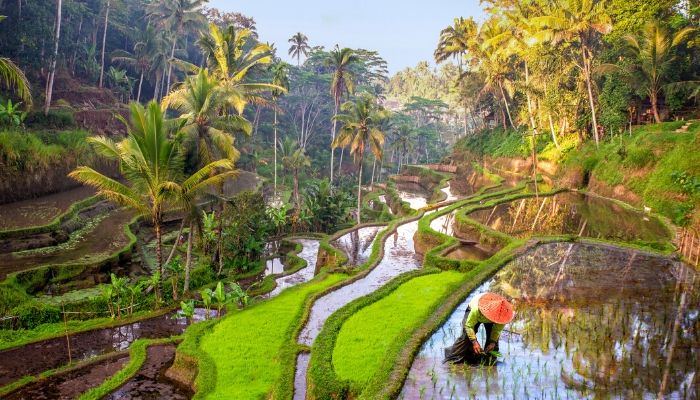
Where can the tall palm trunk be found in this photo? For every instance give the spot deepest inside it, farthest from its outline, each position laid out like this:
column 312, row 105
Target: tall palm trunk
column 335, row 114
column 159, row 249
column 340, row 164
column 359, row 192
column 170, row 64
column 138, row 94
column 554, row 134
column 505, row 102
column 52, row 68
column 177, row 238
column 374, row 166
column 654, row 97
column 296, row 188
column 104, row 43
column 589, row 87
column 188, row 260
column 275, row 146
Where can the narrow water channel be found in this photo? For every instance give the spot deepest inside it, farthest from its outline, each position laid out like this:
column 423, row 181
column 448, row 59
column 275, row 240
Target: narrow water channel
column 591, row 321
column 357, row 244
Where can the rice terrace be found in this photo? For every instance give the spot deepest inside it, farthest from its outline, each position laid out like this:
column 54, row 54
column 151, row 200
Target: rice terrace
column 208, row 199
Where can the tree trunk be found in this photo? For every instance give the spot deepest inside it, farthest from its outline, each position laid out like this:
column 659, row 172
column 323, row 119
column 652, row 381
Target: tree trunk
column 335, row 114
column 188, row 260
column 359, row 192
column 340, row 164
column 138, row 95
column 159, row 250
column 170, row 64
column 155, row 88
column 587, row 75
column 104, row 43
column 52, row 68
column 554, row 134
column 374, row 166
column 654, row 97
column 505, row 102
column 296, row 189
column 177, row 238
column 275, row 147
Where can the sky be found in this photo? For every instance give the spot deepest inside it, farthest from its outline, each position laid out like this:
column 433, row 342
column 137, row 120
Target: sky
column 403, row 32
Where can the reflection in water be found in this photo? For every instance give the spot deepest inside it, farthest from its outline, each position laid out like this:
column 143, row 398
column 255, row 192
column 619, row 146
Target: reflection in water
column 53, row 353
column 413, row 194
column 591, row 321
column 572, row 213
column 274, row 266
column 468, row 252
column 309, row 253
column 444, row 223
column 357, row 245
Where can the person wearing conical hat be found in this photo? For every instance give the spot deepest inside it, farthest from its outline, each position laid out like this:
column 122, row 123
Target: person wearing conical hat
column 488, row 309
column 494, row 312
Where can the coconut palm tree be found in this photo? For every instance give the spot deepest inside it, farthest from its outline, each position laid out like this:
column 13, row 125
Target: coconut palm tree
column 281, row 79
column 177, row 17
column 295, row 159
column 201, row 100
column 148, row 52
column 12, row 78
column 300, row 45
column 153, row 165
column 456, row 40
column 652, row 49
column 342, row 83
column 360, row 129
column 576, row 22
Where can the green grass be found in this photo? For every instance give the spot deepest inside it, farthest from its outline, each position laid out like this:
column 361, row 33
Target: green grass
column 365, row 338
column 244, row 347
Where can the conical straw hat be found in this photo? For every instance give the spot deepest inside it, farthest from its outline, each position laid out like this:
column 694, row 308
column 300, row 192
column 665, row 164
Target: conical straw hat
column 496, row 308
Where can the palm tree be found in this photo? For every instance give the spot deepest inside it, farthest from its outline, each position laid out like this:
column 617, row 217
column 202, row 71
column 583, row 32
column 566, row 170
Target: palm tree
column 177, row 17
column 201, row 99
column 104, row 41
column 300, row 45
column 153, row 165
column 456, row 40
column 577, row 22
column 231, row 55
column 12, row 77
column 54, row 58
column 294, row 158
column 403, row 142
column 360, row 128
column 279, row 78
column 148, row 53
column 652, row 49
column 340, row 60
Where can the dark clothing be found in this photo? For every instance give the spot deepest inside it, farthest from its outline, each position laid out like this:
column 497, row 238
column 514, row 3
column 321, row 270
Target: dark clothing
column 462, row 351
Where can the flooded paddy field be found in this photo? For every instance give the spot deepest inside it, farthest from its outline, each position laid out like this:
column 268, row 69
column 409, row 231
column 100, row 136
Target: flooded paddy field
column 592, row 321
column 414, row 194
column 357, row 245
column 40, row 210
column 572, row 213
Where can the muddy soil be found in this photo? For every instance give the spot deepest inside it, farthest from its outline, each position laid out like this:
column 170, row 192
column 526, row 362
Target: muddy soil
column 53, row 353
column 572, row 213
column 357, row 245
column 591, row 321
column 468, row 252
column 88, row 245
column 70, row 385
column 41, row 210
column 150, row 381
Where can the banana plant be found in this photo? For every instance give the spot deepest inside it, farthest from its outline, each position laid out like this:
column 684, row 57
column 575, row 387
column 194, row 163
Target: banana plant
column 108, row 294
column 238, row 295
column 221, row 297
column 10, row 114
column 119, row 287
column 174, row 268
column 207, row 296
column 187, row 310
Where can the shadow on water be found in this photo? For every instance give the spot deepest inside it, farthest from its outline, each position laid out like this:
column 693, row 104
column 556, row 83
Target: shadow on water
column 572, row 213
column 357, row 245
column 591, row 321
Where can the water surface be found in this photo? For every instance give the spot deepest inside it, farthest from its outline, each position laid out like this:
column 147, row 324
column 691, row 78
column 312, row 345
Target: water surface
column 592, row 321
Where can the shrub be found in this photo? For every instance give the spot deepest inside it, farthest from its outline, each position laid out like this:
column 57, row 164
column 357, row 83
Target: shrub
column 53, row 120
column 32, row 314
